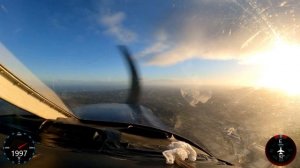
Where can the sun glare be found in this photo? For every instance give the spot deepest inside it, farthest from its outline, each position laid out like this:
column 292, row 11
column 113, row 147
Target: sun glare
column 281, row 68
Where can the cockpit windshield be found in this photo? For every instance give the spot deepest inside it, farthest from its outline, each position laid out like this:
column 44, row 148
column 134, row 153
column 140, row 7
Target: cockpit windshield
column 223, row 73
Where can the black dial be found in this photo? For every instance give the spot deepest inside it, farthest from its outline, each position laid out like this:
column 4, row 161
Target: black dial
column 19, row 148
column 281, row 150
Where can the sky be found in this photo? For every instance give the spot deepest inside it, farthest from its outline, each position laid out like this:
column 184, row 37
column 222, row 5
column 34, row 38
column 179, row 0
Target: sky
column 173, row 41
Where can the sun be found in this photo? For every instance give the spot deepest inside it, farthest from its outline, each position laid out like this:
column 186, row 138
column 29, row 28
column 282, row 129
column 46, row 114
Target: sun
column 280, row 67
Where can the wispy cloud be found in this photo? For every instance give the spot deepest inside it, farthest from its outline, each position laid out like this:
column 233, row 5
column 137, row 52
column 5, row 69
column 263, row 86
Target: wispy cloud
column 236, row 29
column 56, row 23
column 115, row 28
column 161, row 44
column 3, row 8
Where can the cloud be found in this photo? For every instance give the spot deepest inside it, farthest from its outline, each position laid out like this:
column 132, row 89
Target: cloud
column 3, row 8
column 161, row 44
column 115, row 28
column 237, row 29
column 56, row 23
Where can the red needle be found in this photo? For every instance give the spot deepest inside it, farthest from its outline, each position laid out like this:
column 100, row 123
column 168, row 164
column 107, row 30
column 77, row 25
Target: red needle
column 22, row 146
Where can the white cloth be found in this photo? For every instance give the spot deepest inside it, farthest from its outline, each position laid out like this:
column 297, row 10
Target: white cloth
column 182, row 149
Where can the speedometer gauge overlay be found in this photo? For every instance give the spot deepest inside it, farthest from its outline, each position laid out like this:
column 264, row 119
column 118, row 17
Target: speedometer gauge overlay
column 281, row 150
column 19, row 148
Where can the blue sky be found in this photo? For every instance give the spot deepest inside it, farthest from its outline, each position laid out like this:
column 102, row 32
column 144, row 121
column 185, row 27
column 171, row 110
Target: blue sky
column 171, row 39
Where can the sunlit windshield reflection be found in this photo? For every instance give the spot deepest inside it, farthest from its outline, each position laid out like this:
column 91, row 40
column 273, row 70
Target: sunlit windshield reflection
column 223, row 73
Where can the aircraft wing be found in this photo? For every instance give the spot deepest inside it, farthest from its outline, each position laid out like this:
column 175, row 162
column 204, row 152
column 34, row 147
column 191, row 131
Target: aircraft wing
column 20, row 87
